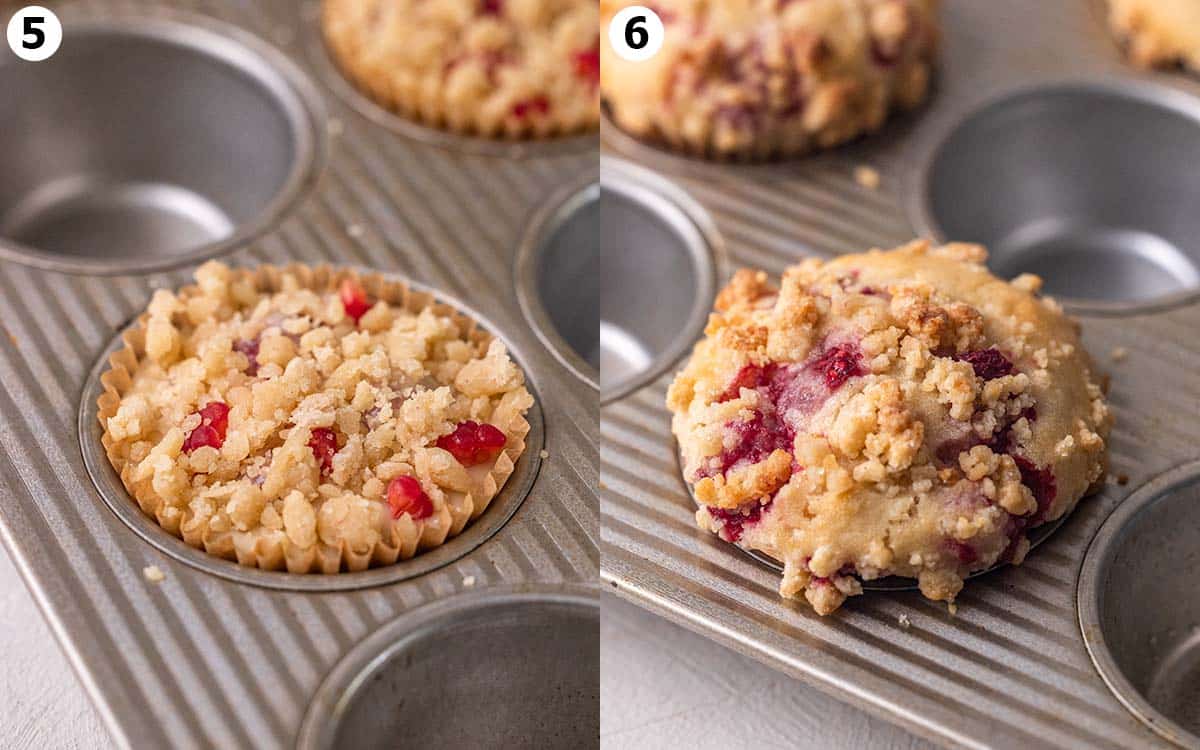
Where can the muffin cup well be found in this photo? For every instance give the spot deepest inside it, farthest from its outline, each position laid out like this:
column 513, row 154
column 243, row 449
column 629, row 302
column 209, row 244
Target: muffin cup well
column 558, row 279
column 658, row 262
column 1138, row 605
column 407, row 553
column 149, row 143
column 503, row 668
column 1080, row 183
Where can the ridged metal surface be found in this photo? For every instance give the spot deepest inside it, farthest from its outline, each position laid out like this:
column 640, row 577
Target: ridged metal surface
column 1010, row 669
column 197, row 661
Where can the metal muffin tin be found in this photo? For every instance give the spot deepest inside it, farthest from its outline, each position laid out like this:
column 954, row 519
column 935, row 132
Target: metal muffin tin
column 1010, row 669
column 225, row 658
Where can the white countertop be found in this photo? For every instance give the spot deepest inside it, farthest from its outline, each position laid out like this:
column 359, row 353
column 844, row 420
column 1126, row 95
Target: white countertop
column 661, row 687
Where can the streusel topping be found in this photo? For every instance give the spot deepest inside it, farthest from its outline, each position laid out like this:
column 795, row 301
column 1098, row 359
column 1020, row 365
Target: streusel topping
column 1158, row 33
column 497, row 68
column 890, row 413
column 294, row 422
column 761, row 78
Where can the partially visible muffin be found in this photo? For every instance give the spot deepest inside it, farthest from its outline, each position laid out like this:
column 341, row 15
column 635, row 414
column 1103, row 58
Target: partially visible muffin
column 309, row 420
column 890, row 413
column 763, row 78
column 1158, row 33
column 495, row 68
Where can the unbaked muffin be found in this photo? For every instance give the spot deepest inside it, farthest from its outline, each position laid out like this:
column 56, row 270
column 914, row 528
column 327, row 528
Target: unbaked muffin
column 891, row 413
column 309, row 420
column 496, row 68
column 762, row 78
column 1158, row 33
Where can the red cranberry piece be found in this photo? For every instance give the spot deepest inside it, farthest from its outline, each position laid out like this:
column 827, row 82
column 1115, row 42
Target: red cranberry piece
column 491, row 7
column 587, row 65
column 838, row 364
column 965, row 553
column 324, row 444
column 354, row 299
column 473, row 443
column 248, row 347
column 988, row 364
column 405, row 495
column 733, row 522
column 750, row 376
column 214, row 421
column 1040, row 482
column 528, row 107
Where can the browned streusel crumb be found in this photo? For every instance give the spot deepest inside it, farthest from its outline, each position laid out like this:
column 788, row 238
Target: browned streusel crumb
column 889, row 413
column 761, row 78
column 1158, row 33
column 1119, row 354
column 495, row 68
column 1122, row 479
column 867, row 177
column 294, row 420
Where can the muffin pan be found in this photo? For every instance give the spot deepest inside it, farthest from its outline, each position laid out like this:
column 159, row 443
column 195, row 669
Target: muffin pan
column 110, row 169
column 652, row 232
column 213, row 655
column 1010, row 669
column 420, row 680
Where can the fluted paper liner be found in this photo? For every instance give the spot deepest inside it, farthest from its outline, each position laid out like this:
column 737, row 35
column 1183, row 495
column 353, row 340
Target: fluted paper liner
column 272, row 550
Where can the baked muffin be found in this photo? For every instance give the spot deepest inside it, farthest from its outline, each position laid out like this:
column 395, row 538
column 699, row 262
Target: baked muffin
column 1158, row 33
column 496, row 68
column 761, row 78
column 891, row 413
column 294, row 420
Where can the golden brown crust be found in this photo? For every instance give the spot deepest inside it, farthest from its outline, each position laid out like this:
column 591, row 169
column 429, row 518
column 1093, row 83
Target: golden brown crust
column 495, row 68
column 1158, row 33
column 762, row 79
column 279, row 351
column 916, row 418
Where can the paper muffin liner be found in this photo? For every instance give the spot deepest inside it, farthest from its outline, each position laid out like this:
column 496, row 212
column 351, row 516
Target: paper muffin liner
column 271, row 549
column 431, row 112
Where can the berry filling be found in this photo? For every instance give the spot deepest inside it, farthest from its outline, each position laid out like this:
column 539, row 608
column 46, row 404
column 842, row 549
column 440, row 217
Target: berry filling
column 988, row 364
column 214, row 421
column 733, row 522
column 587, row 65
column 790, row 395
column 1040, row 482
column 323, row 444
column 965, row 553
column 354, row 299
column 248, row 347
column 491, row 7
column 473, row 443
column 528, row 107
column 405, row 495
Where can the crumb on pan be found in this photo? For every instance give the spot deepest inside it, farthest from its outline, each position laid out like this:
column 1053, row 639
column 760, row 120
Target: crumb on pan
column 153, row 574
column 1119, row 354
column 544, row 454
column 867, row 177
column 468, row 581
column 1122, row 479
column 904, row 621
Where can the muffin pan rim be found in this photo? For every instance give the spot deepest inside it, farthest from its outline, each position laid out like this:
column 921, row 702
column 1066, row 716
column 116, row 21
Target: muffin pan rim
column 107, row 484
column 290, row 90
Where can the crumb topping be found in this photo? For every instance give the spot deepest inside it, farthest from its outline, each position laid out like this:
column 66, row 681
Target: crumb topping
column 291, row 427
column 892, row 413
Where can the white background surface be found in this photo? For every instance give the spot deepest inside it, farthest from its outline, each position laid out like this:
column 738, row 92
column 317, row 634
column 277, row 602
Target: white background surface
column 661, row 687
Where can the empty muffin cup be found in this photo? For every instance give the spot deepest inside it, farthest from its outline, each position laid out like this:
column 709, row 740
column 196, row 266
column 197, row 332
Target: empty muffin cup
column 1080, row 183
column 657, row 252
column 1139, row 608
column 494, row 669
column 558, row 278
column 145, row 144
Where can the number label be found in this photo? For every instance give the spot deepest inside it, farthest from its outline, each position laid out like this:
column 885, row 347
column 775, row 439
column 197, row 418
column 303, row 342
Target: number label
column 34, row 33
column 636, row 33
